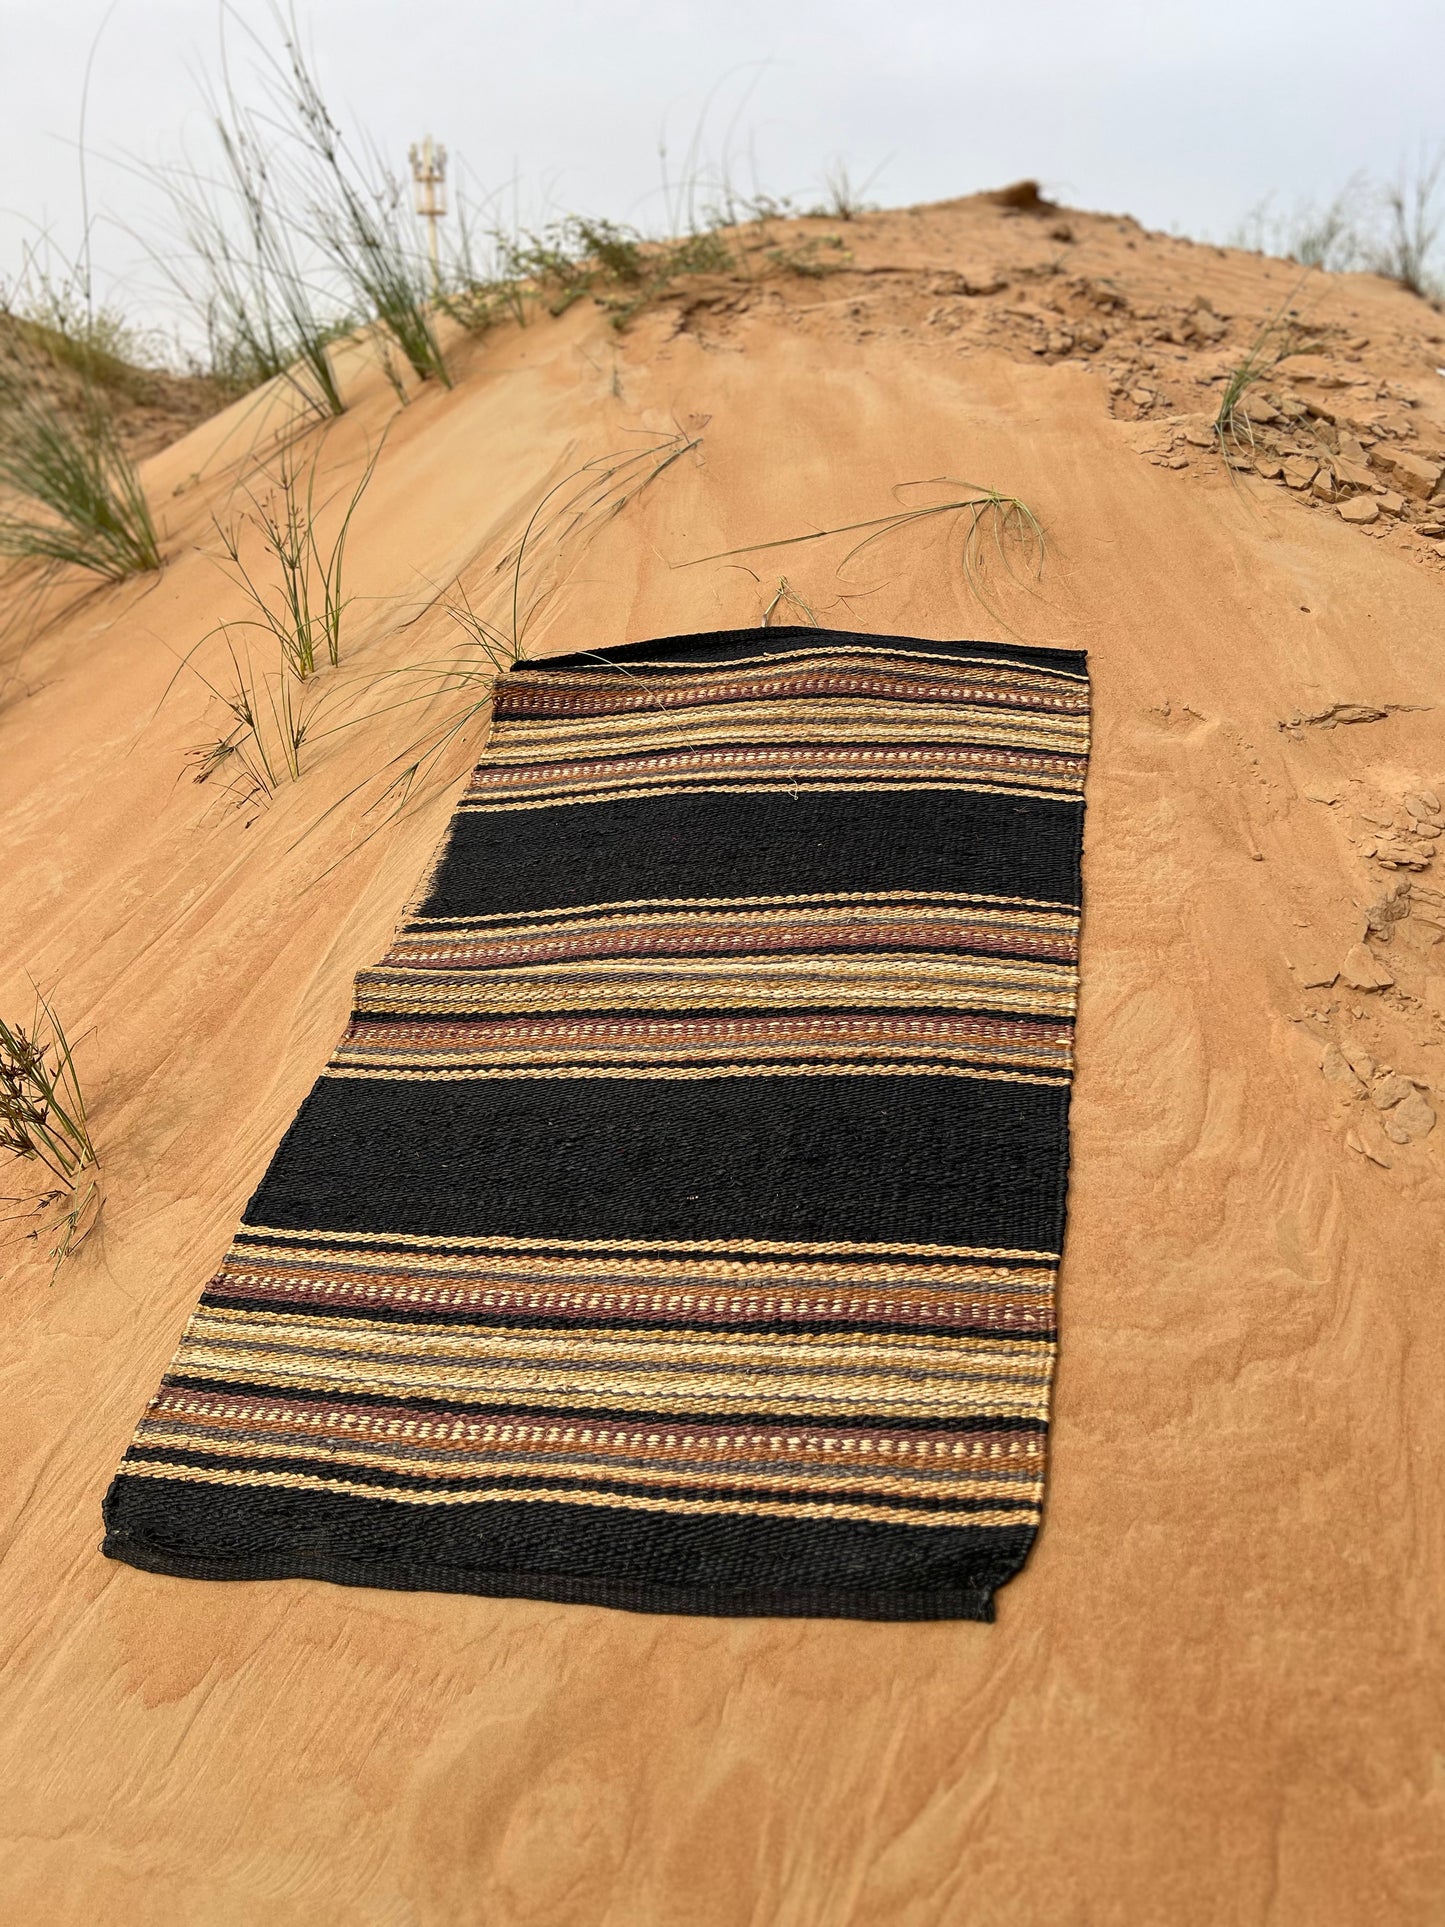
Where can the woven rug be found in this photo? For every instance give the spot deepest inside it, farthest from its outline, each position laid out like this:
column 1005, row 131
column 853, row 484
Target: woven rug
column 676, row 1225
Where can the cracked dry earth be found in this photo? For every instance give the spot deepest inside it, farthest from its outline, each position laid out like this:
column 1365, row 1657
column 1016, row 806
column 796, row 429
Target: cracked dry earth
column 1214, row 1693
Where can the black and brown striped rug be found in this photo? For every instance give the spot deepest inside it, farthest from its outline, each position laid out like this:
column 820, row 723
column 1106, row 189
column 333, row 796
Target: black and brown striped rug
column 676, row 1225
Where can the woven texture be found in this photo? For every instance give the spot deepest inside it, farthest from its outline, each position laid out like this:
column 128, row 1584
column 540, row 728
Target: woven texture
column 676, row 1225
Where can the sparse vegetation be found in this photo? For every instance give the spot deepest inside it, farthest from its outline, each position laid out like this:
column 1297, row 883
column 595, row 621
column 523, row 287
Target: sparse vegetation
column 1394, row 230
column 43, row 1122
column 1330, row 237
column 50, row 315
column 814, row 258
column 569, row 514
column 617, row 264
column 476, row 294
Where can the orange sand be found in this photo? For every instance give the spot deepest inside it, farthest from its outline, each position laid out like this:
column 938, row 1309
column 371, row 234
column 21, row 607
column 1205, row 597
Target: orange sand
column 1215, row 1692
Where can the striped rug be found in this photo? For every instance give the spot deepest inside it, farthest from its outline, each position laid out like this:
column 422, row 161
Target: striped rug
column 676, row 1224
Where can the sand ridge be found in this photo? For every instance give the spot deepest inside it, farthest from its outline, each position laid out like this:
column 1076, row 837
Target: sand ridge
column 1211, row 1693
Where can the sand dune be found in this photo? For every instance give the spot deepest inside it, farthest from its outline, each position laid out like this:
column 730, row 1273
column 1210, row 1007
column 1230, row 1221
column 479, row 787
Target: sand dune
column 1213, row 1694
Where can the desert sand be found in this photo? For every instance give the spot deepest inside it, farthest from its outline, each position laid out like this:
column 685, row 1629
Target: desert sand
column 1214, row 1694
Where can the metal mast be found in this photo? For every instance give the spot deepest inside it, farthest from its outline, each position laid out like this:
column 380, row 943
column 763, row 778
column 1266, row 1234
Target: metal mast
column 429, row 175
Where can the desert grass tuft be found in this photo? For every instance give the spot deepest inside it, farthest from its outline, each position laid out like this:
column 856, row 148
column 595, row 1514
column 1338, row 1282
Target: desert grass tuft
column 43, row 1121
column 1414, row 221
column 786, row 596
column 1281, row 335
column 843, row 200
column 303, row 606
column 360, row 215
column 297, row 595
column 272, row 715
column 242, row 274
column 65, row 460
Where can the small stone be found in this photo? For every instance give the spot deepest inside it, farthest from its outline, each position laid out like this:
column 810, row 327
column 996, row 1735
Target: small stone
column 1409, row 856
column 1358, row 1059
column 1390, row 1089
column 1269, row 469
column 1352, row 450
column 1348, row 713
column 1141, row 397
column 1317, row 975
column 1391, row 503
column 1412, row 473
column 1360, row 509
column 1323, row 486
column 1200, row 432
column 1353, row 474
column 1393, row 1128
column 1358, row 1141
column 1414, row 1116
column 1299, row 472
column 1362, row 970
column 1422, row 803
column 1338, row 1071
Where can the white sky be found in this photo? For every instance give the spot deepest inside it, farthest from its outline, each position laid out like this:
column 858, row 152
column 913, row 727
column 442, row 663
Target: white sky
column 1185, row 113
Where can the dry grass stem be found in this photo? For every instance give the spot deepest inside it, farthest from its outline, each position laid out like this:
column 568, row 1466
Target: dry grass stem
column 982, row 512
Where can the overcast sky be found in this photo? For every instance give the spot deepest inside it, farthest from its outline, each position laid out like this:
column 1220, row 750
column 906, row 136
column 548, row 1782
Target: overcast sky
column 1183, row 113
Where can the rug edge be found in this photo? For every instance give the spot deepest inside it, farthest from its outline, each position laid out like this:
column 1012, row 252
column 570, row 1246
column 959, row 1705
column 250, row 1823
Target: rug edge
column 974, row 1603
